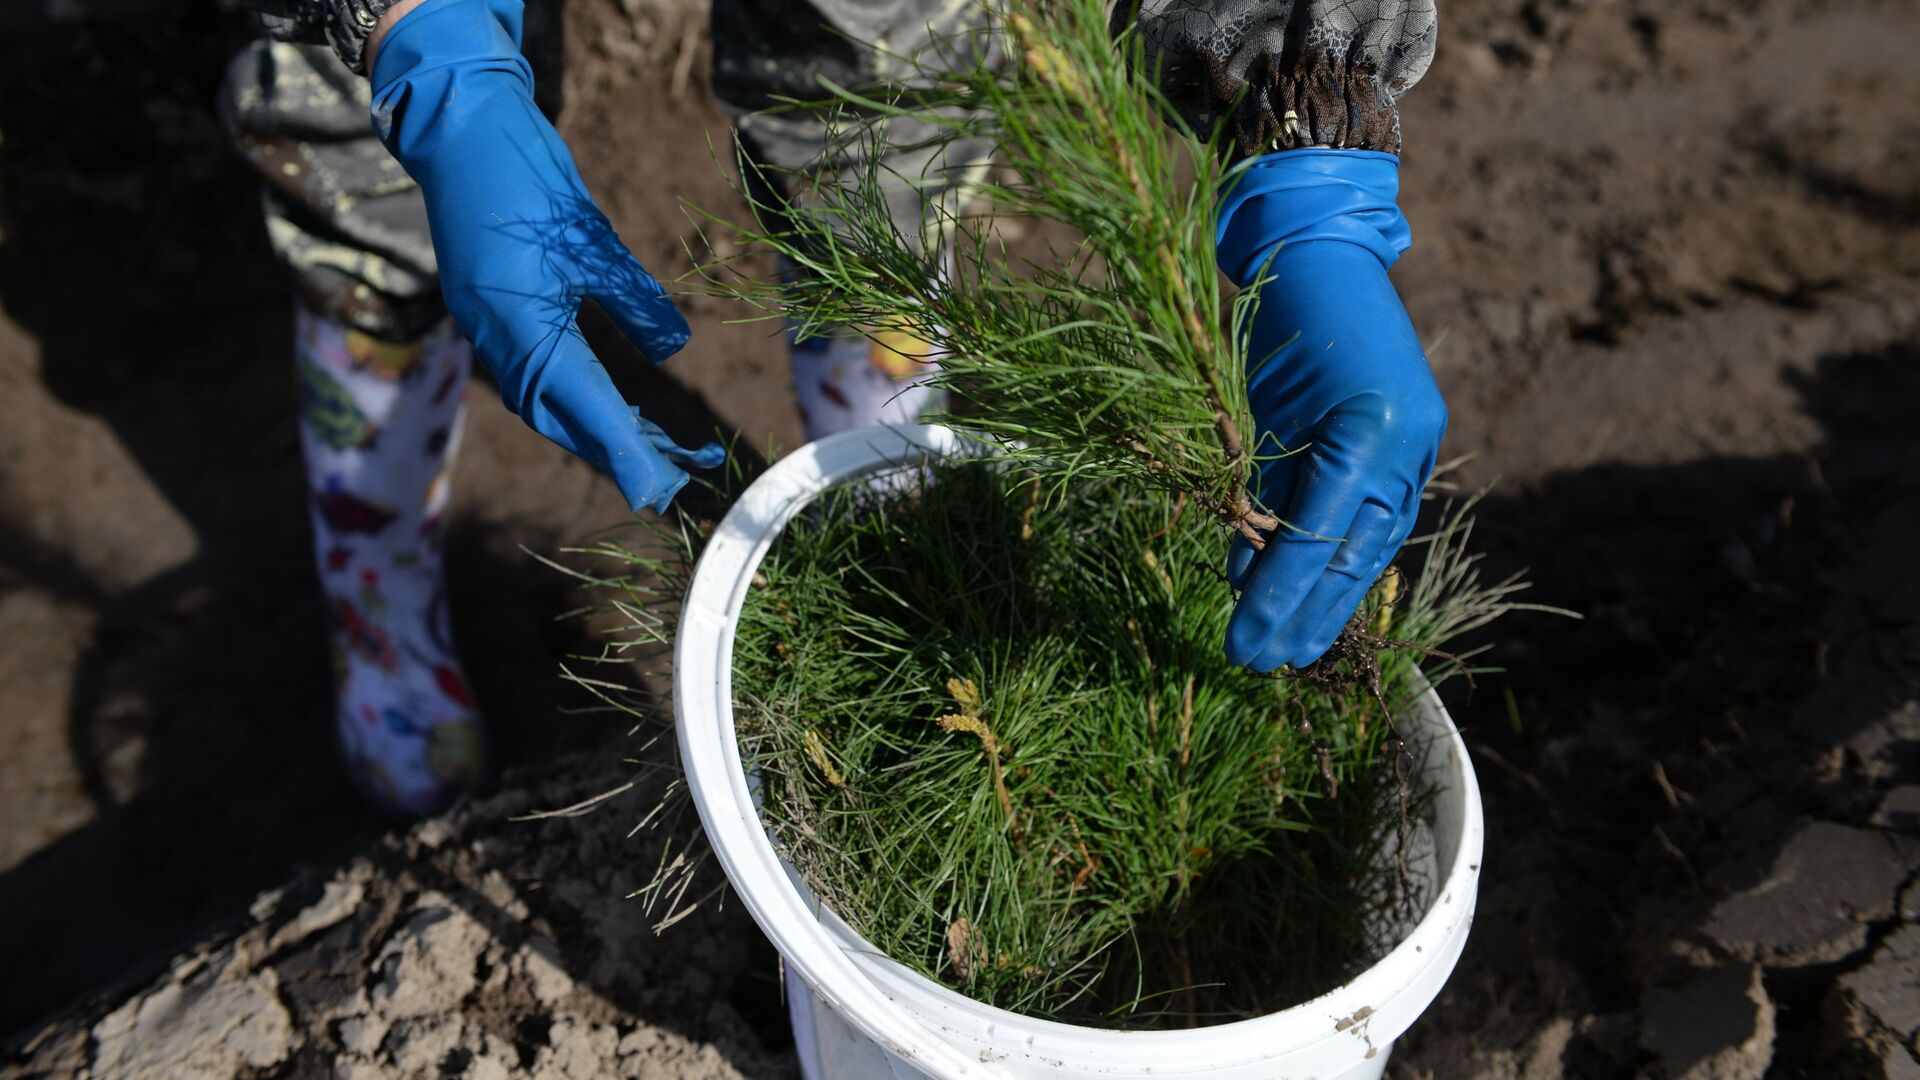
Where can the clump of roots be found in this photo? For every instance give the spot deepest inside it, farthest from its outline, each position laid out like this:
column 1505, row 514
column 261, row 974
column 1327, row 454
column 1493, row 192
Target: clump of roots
column 1351, row 666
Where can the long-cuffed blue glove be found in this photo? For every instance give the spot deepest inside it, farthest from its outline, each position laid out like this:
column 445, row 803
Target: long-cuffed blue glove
column 1350, row 419
column 521, row 243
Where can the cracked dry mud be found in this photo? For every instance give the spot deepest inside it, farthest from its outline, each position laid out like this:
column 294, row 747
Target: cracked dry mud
column 473, row 946
column 1668, row 256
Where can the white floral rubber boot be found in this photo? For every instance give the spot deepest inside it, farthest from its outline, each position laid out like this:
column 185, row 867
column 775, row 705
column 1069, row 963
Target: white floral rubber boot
column 850, row 380
column 380, row 425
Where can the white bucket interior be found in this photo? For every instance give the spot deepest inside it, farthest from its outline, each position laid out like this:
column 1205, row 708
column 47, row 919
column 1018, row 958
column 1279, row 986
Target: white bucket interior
column 865, row 1016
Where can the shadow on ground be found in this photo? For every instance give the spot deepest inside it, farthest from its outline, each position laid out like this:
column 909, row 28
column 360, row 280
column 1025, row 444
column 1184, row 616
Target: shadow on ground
column 198, row 717
column 1693, row 778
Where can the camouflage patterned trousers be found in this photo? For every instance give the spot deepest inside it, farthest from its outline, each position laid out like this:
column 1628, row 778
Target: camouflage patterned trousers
column 351, row 226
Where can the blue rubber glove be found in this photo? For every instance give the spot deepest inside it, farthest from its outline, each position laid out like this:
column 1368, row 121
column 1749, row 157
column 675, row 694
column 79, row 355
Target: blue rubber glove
column 521, row 243
column 1350, row 419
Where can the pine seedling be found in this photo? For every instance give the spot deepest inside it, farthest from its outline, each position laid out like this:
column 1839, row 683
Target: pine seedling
column 1110, row 354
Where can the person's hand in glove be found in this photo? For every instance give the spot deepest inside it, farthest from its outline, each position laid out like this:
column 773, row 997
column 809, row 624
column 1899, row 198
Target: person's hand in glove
column 520, row 242
column 1350, row 419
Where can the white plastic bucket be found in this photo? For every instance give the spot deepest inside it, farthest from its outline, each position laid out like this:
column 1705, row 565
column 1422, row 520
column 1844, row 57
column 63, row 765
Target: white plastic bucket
column 859, row 1015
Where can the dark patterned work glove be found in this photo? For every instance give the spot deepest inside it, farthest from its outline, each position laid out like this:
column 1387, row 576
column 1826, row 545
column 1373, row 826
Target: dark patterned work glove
column 1286, row 74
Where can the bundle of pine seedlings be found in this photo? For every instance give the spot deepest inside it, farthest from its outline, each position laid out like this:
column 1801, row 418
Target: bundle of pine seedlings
column 987, row 704
column 998, row 735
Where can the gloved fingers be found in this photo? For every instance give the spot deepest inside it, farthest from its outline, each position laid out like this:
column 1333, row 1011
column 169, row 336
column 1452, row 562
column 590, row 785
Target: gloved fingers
column 1326, row 499
column 647, row 477
column 1302, row 637
column 637, row 303
column 1340, row 613
column 1275, row 489
column 1240, row 560
column 648, row 484
column 1342, row 610
column 1369, row 538
column 1337, row 615
column 1408, row 517
column 710, row 456
column 1333, row 481
column 1281, row 578
column 579, row 409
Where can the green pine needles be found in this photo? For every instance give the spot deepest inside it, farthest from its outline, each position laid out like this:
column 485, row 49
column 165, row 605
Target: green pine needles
column 1109, row 354
column 999, row 737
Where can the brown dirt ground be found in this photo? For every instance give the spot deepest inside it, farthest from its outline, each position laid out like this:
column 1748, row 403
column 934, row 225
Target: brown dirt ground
column 1670, row 258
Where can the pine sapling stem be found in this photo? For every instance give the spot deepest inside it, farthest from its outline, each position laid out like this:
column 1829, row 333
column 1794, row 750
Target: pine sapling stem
column 1237, row 511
